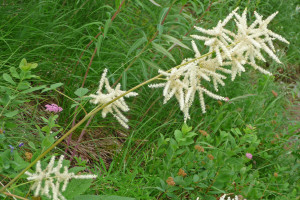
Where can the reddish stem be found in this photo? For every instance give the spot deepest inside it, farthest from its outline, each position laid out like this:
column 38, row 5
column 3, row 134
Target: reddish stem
column 153, row 37
column 86, row 73
column 75, row 114
column 80, row 138
column 117, row 12
column 207, row 9
column 87, row 70
column 187, row 33
column 87, row 46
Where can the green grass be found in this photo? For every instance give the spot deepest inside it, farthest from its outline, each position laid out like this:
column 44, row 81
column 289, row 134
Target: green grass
column 55, row 33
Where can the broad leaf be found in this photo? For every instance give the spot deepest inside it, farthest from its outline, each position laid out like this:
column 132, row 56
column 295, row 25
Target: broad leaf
column 81, row 92
column 11, row 114
column 8, row 78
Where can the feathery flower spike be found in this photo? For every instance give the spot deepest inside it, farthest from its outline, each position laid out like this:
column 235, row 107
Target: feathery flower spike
column 228, row 198
column 51, row 178
column 184, row 82
column 235, row 49
column 117, row 106
column 219, row 38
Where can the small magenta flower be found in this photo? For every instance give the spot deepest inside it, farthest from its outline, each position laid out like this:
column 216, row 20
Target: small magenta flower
column 249, row 155
column 53, row 108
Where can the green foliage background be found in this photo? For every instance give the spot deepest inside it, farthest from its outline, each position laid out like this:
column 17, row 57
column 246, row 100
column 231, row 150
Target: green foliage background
column 55, row 33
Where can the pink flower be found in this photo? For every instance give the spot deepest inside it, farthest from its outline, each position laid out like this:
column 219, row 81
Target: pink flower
column 249, row 155
column 53, row 108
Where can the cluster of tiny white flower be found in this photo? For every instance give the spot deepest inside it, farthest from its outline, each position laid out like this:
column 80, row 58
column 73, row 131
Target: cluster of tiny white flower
column 44, row 179
column 231, row 49
column 115, row 107
column 228, row 198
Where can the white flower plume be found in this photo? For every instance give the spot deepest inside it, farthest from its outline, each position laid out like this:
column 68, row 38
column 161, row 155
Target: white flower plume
column 228, row 198
column 227, row 48
column 184, row 82
column 244, row 46
column 117, row 106
column 51, row 178
column 219, row 39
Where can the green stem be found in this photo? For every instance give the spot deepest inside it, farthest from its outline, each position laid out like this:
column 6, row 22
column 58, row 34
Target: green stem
column 93, row 112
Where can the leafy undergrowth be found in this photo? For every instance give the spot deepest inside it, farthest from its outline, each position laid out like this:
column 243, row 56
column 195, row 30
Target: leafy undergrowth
column 159, row 157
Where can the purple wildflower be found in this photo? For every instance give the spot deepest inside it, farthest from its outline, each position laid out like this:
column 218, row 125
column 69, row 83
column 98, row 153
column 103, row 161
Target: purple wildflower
column 53, row 108
column 21, row 144
column 11, row 148
column 249, row 155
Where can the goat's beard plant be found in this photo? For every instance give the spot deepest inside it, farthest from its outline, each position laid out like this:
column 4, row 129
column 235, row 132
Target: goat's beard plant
column 226, row 48
column 235, row 49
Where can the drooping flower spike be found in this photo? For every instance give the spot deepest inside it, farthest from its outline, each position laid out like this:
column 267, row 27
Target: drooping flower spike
column 115, row 107
column 235, row 49
column 49, row 180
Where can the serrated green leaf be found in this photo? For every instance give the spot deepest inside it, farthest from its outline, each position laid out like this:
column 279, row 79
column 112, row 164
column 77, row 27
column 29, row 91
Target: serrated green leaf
column 77, row 187
column 162, row 50
column 81, row 92
column 185, row 128
column 178, row 135
column 175, row 41
column 190, row 134
column 8, row 78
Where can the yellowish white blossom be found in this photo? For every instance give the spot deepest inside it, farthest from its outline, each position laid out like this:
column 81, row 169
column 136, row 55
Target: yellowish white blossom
column 228, row 198
column 183, row 83
column 236, row 49
column 115, row 107
column 51, row 178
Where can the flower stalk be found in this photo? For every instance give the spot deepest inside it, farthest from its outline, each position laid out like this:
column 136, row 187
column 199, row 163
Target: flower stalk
column 86, row 117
